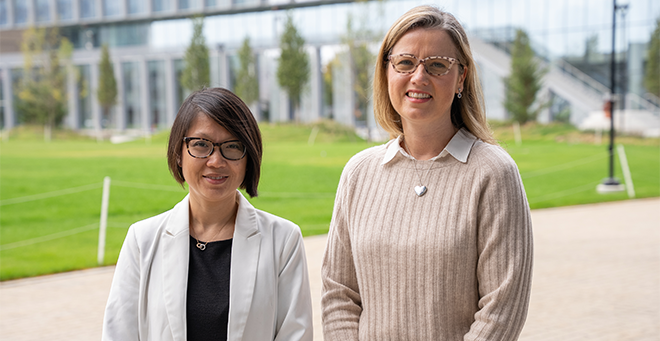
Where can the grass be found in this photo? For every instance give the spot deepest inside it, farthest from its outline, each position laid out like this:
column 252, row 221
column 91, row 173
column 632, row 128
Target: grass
column 559, row 166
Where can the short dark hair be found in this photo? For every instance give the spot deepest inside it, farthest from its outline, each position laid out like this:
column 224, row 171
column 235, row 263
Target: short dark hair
column 230, row 112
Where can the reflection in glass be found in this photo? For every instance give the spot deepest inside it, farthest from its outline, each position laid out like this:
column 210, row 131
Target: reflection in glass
column 87, row 9
column 20, row 12
column 43, row 10
column 156, row 69
column 181, row 92
column 111, row 8
column 161, row 5
column 3, row 12
column 136, row 6
column 84, row 98
column 124, row 34
column 131, row 94
column 64, row 10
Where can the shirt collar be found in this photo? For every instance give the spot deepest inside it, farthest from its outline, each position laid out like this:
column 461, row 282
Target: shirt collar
column 459, row 147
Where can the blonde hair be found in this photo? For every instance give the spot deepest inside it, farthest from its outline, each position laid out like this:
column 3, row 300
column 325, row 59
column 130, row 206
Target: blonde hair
column 467, row 111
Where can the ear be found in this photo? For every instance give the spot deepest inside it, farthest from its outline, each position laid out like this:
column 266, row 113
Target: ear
column 461, row 79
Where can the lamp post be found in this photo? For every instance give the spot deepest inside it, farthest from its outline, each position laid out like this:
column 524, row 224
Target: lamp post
column 612, row 184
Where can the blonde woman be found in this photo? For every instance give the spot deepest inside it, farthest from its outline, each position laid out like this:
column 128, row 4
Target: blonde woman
column 431, row 235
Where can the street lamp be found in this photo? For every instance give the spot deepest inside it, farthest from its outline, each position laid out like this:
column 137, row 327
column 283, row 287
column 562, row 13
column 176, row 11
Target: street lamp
column 612, row 184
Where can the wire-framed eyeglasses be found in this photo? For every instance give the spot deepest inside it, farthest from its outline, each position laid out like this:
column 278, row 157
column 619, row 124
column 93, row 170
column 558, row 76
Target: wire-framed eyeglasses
column 202, row 148
column 435, row 65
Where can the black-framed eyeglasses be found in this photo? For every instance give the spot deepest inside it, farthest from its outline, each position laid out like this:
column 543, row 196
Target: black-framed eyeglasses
column 202, row 148
column 435, row 65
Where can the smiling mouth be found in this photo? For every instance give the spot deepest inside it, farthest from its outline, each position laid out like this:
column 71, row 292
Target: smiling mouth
column 215, row 177
column 418, row 95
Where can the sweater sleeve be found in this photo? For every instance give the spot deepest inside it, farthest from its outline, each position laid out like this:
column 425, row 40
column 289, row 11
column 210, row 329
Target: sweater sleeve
column 504, row 268
column 341, row 302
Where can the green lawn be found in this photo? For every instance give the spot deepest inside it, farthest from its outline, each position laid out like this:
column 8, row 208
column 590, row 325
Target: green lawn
column 58, row 231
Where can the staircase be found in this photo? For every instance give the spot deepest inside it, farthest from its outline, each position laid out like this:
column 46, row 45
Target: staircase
column 584, row 95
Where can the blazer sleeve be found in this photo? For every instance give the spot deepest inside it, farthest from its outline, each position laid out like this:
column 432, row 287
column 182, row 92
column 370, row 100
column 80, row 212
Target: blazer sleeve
column 294, row 303
column 341, row 302
column 505, row 247
column 120, row 322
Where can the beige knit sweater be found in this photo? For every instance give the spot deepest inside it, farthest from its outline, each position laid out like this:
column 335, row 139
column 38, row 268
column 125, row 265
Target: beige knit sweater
column 454, row 264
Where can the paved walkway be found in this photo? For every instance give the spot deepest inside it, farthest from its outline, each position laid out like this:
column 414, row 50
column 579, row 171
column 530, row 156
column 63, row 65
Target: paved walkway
column 596, row 277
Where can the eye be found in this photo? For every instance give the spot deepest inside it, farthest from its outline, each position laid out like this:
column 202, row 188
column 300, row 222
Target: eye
column 438, row 65
column 234, row 145
column 403, row 61
column 199, row 144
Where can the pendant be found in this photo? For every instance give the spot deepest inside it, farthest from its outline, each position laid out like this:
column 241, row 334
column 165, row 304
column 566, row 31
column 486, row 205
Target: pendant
column 201, row 246
column 420, row 190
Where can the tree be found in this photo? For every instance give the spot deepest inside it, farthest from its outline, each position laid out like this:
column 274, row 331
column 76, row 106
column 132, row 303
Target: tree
column 293, row 70
column 652, row 75
column 361, row 60
column 42, row 91
column 196, row 72
column 524, row 82
column 107, row 91
column 247, row 84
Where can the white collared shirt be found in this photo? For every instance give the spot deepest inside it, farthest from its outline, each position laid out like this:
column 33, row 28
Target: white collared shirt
column 459, row 147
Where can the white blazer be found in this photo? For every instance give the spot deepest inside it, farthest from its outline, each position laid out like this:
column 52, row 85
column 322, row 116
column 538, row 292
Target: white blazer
column 269, row 296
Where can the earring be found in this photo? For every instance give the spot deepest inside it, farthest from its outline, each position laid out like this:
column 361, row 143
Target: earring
column 459, row 94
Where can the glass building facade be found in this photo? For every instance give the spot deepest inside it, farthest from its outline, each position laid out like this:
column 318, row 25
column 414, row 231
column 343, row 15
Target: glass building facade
column 85, row 119
column 148, row 39
column 131, row 94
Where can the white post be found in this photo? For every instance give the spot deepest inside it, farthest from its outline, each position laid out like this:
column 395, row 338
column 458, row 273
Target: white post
column 626, row 171
column 104, row 219
column 312, row 136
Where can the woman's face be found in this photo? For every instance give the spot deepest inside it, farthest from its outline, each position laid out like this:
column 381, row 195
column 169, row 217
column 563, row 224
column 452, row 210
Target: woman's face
column 421, row 98
column 213, row 179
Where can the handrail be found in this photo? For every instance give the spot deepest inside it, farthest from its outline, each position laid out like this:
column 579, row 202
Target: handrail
column 642, row 103
column 581, row 76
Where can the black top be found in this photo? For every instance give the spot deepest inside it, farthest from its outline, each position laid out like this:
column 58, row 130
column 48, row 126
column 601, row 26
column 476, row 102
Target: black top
column 207, row 307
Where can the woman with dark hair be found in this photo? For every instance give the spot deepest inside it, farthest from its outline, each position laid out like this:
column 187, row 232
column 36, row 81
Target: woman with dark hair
column 431, row 234
column 213, row 267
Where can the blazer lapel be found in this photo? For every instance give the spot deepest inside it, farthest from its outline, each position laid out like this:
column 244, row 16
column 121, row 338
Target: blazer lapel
column 176, row 253
column 244, row 266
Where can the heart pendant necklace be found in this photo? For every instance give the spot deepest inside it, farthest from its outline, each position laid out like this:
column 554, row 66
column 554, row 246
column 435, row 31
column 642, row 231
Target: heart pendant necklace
column 421, row 189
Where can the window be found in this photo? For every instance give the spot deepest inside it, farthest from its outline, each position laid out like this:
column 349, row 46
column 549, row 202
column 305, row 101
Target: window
column 156, row 70
column 3, row 12
column 111, row 8
column 136, row 6
column 84, row 99
column 43, row 11
column 87, row 9
column 161, row 5
column 64, row 10
column 20, row 12
column 131, row 94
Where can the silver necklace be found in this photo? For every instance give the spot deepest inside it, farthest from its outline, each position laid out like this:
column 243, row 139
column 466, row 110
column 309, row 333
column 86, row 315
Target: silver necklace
column 421, row 189
column 201, row 245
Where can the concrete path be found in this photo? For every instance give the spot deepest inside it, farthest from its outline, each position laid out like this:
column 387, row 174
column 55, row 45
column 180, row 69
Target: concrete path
column 596, row 277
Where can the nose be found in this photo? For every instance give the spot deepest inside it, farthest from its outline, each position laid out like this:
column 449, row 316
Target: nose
column 419, row 75
column 215, row 160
